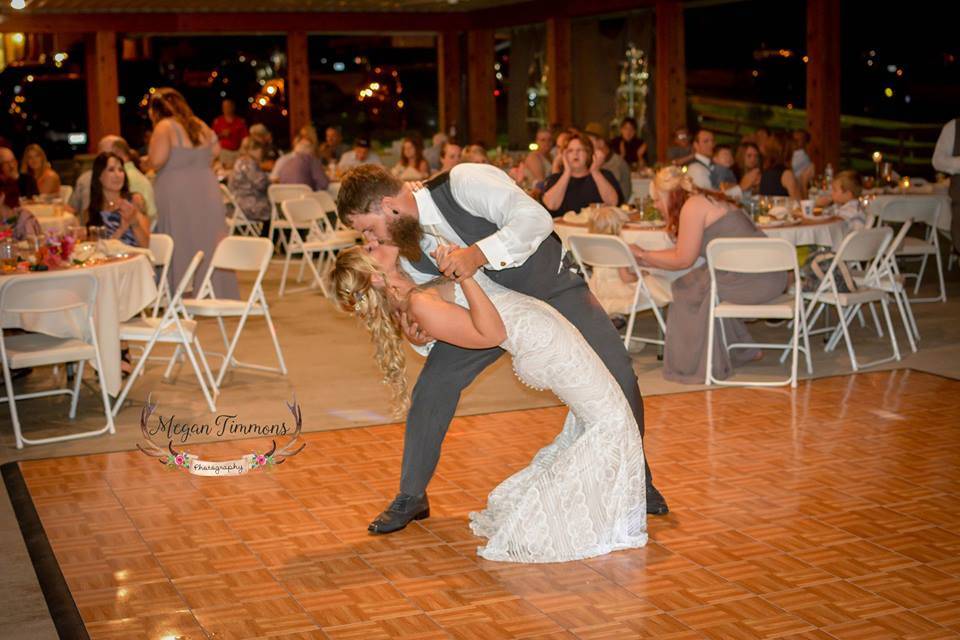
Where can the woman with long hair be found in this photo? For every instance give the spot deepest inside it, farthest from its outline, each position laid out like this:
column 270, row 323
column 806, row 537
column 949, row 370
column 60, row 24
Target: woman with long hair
column 412, row 164
column 584, row 494
column 189, row 204
column 777, row 178
column 694, row 220
column 113, row 206
column 35, row 164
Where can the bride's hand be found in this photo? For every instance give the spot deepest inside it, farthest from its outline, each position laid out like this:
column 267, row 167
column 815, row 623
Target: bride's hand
column 458, row 263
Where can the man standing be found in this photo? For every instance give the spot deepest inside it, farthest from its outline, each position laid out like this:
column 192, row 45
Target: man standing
column 500, row 229
column 946, row 159
column 231, row 129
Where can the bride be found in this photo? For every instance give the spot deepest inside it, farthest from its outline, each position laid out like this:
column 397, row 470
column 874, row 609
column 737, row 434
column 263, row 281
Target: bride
column 582, row 495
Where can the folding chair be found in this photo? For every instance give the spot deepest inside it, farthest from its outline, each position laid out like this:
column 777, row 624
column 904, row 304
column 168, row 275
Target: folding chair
column 865, row 246
column 239, row 223
column 922, row 210
column 173, row 328
column 71, row 294
column 306, row 214
column 161, row 248
column 611, row 252
column 330, row 207
column 237, row 254
column 756, row 255
column 278, row 193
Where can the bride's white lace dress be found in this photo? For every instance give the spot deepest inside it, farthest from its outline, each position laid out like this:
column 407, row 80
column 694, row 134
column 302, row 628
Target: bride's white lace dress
column 582, row 495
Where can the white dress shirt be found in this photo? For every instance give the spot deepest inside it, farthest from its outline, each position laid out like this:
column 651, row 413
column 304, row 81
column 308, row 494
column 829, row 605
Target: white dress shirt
column 700, row 173
column 943, row 158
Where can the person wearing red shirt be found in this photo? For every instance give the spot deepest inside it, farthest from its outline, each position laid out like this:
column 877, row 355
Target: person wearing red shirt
column 231, row 129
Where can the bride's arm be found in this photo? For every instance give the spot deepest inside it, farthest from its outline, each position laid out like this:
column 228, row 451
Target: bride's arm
column 479, row 327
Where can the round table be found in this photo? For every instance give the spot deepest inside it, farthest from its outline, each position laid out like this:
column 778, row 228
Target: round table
column 826, row 232
column 125, row 287
column 897, row 207
column 49, row 218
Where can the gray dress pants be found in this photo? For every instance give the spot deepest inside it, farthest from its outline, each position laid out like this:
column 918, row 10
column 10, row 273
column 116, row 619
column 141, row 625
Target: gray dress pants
column 449, row 370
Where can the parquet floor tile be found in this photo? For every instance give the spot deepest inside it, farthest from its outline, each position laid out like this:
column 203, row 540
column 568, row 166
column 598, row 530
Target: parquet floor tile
column 827, row 512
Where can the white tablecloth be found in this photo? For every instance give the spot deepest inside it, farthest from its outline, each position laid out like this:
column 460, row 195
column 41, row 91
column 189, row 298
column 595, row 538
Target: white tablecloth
column 828, row 233
column 898, row 207
column 57, row 223
column 125, row 287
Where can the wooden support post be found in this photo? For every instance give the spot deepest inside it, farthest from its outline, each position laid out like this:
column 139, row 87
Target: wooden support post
column 103, row 112
column 482, row 111
column 823, row 82
column 559, row 84
column 671, row 74
column 449, row 82
column 298, row 82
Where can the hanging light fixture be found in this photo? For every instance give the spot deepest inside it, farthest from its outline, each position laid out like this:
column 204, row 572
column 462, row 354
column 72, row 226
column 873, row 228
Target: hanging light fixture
column 18, row 4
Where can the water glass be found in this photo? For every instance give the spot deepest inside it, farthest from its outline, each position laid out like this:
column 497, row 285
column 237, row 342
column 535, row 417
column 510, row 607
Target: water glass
column 8, row 256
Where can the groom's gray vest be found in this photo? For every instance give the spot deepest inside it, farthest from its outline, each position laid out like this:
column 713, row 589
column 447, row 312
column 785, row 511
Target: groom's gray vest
column 537, row 277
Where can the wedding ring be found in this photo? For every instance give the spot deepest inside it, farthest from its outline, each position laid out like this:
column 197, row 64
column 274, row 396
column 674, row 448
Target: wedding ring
column 456, row 275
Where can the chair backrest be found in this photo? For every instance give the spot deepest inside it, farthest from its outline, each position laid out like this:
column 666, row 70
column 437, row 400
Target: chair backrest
column 277, row 193
column 325, row 199
column 898, row 240
column 239, row 253
column 304, row 211
column 921, row 209
column 185, row 281
column 601, row 250
column 865, row 245
column 161, row 246
column 751, row 255
column 49, row 294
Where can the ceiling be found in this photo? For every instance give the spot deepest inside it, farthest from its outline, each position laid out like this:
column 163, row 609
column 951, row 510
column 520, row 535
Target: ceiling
column 242, row 6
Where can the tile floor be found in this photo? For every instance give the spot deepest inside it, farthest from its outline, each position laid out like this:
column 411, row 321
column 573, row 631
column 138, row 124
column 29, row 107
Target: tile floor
column 830, row 511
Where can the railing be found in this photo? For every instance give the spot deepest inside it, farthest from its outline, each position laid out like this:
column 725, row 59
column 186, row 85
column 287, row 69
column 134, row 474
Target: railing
column 909, row 146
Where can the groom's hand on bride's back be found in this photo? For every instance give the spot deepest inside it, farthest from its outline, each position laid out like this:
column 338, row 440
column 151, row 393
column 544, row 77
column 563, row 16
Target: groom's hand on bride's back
column 412, row 331
column 458, row 263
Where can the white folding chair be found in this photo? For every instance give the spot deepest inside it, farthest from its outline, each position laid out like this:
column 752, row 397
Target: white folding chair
column 66, row 191
column 611, row 252
column 69, row 294
column 173, row 328
column 278, row 193
column 307, row 215
column 922, row 210
column 756, row 255
column 865, row 246
column 161, row 248
column 886, row 276
column 237, row 254
column 330, row 206
column 239, row 223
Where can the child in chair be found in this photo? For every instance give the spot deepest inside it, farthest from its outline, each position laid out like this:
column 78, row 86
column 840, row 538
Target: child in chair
column 844, row 200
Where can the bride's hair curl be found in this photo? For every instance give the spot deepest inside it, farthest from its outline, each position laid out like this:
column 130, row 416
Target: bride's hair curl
column 352, row 280
column 676, row 187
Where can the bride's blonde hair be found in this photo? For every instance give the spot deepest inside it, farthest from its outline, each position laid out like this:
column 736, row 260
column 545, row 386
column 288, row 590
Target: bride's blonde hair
column 352, row 280
column 676, row 187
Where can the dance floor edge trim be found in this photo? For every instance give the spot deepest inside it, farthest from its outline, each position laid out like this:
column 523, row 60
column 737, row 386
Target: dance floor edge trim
column 63, row 609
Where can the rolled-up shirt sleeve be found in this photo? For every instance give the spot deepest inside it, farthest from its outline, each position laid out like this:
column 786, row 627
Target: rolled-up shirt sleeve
column 489, row 193
column 943, row 158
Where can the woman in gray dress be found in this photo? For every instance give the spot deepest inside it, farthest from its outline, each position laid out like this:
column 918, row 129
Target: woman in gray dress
column 696, row 219
column 189, row 204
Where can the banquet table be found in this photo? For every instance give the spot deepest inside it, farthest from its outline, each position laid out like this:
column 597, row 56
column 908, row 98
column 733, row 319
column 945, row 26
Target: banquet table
column 48, row 217
column 938, row 201
column 826, row 232
column 125, row 286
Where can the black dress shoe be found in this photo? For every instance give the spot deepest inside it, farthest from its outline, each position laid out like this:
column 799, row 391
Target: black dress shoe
column 656, row 503
column 402, row 511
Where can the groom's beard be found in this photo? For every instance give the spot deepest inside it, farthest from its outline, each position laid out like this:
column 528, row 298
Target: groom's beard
column 406, row 234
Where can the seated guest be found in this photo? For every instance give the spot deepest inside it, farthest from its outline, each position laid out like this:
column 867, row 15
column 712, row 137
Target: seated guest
column 695, row 219
column 800, row 161
column 612, row 162
column 629, row 145
column 702, row 170
column 307, row 132
column 248, row 183
column 777, row 179
column 433, row 152
column 582, row 182
column 139, row 183
column 759, row 137
column 475, row 153
column 747, row 166
column 844, row 200
column 304, row 167
column 36, row 165
column 113, row 206
column 10, row 168
column 449, row 156
column 562, row 137
column 679, row 151
column 412, row 165
column 268, row 154
column 723, row 165
column 539, row 163
column 333, row 146
column 24, row 223
column 360, row 154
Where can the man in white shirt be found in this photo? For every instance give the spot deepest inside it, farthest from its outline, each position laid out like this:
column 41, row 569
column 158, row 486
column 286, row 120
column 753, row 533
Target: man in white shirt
column 701, row 169
column 508, row 234
column 946, row 159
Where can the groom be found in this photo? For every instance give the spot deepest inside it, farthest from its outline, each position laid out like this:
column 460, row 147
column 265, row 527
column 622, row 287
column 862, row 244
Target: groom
column 500, row 229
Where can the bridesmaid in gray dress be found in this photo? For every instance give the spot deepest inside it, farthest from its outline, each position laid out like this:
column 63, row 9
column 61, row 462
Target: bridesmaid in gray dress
column 189, row 204
column 696, row 220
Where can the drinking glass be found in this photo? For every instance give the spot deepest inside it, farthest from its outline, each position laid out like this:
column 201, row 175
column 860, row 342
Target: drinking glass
column 8, row 256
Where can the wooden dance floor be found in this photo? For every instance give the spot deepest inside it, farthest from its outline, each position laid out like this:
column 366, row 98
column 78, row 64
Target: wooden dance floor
column 832, row 511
